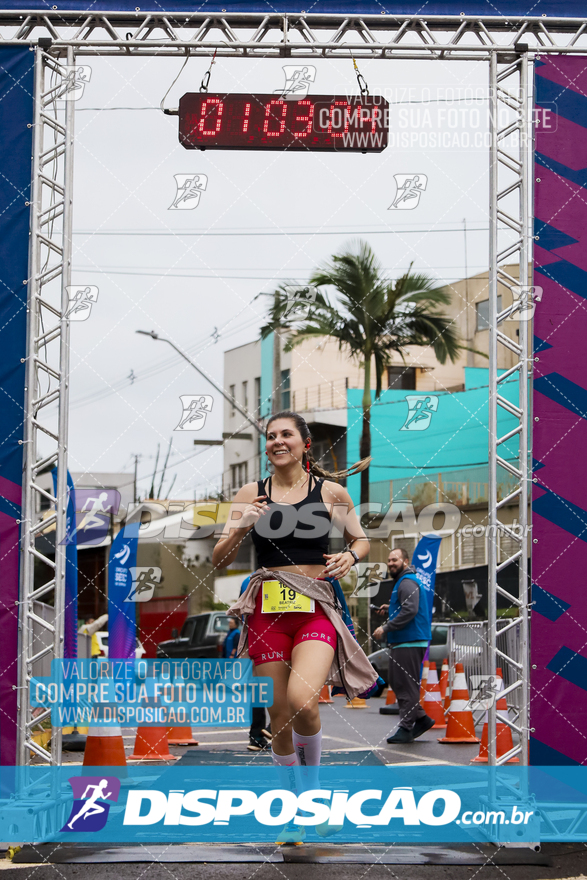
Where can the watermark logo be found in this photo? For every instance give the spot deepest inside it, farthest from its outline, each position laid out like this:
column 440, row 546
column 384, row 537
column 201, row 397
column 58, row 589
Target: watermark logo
column 525, row 299
column 145, row 580
column 81, row 299
column 545, row 117
column 92, row 518
column 297, row 81
column 189, row 189
column 409, row 189
column 299, row 300
column 195, row 409
column 420, row 412
column 484, row 691
column 90, row 807
column 369, row 576
column 73, row 81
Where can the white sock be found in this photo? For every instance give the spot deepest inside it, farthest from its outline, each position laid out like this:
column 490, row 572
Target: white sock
column 308, row 749
column 287, row 772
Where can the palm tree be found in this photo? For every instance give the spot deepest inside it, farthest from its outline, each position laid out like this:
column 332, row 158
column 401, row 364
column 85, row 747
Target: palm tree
column 373, row 317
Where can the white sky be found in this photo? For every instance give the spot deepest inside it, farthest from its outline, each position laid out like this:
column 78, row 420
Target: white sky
column 183, row 286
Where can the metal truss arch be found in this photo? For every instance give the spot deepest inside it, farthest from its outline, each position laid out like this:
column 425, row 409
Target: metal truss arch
column 292, row 35
column 47, row 380
column 505, row 43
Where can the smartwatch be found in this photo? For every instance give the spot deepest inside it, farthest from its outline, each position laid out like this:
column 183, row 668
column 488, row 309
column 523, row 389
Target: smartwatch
column 354, row 555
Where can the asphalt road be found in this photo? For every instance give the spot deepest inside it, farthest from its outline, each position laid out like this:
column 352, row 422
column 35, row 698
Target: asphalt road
column 567, row 861
column 344, row 730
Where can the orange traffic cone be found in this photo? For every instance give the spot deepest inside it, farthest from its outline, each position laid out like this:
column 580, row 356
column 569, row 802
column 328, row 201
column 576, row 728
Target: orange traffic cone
column 503, row 733
column 325, row 695
column 460, row 727
column 390, row 698
column 423, row 681
column 444, row 680
column 180, row 736
column 151, row 745
column 391, row 707
column 356, row 703
column 447, row 697
column 104, row 748
column 432, row 700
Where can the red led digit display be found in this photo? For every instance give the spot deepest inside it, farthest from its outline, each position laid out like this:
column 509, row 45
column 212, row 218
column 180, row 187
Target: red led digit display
column 268, row 122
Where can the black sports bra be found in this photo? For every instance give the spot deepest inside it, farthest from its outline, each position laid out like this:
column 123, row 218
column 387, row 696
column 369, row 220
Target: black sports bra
column 292, row 534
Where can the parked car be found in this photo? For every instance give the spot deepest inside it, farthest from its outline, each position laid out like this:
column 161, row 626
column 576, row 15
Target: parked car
column 438, row 651
column 202, row 635
column 102, row 637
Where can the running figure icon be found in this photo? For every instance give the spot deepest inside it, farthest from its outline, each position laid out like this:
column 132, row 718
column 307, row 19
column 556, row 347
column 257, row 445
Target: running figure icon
column 91, row 807
column 420, row 412
column 409, row 191
column 195, row 411
column 189, row 189
column 81, row 300
column 92, row 520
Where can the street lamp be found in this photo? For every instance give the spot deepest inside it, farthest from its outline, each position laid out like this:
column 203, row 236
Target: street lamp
column 220, row 390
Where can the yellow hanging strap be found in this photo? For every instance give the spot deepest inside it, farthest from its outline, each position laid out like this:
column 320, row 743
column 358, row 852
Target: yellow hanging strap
column 363, row 87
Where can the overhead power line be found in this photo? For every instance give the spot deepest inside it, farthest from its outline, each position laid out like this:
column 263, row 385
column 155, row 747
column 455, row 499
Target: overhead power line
column 209, row 277
column 205, row 232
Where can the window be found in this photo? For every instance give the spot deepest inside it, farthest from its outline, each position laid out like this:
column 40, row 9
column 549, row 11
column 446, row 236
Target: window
column 408, row 544
column 258, row 396
column 220, row 624
column 439, row 635
column 285, row 395
column 239, row 474
column 473, row 550
column 483, row 313
column 232, row 394
column 246, row 396
column 402, row 378
column 187, row 629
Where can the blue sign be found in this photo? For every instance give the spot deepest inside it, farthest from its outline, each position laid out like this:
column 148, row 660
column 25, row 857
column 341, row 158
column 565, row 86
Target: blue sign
column 122, row 619
column 424, row 560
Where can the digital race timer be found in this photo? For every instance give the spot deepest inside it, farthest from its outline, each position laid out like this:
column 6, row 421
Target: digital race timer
column 268, row 122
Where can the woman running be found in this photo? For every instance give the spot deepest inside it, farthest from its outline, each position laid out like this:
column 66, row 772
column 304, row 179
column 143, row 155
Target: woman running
column 293, row 606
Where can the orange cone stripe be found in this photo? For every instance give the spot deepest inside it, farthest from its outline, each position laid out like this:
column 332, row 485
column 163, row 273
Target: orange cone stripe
column 460, row 727
column 180, row 736
column 104, row 748
column 432, row 699
column 151, row 745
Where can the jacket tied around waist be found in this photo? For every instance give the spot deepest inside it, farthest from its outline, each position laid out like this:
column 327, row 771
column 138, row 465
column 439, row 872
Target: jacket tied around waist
column 350, row 670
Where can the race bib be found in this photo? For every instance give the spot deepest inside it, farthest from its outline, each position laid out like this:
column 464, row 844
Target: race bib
column 277, row 598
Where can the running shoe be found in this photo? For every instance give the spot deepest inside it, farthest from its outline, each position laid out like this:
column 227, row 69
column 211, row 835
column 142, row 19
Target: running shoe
column 266, row 731
column 327, row 830
column 291, row 834
column 257, row 744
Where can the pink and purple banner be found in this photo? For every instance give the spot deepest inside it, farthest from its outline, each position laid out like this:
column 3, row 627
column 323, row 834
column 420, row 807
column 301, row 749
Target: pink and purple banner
column 16, row 117
column 559, row 560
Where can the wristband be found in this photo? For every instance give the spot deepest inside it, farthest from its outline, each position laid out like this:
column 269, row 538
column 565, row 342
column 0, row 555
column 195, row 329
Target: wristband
column 354, row 555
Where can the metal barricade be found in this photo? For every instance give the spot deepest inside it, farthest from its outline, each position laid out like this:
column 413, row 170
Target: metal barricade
column 468, row 644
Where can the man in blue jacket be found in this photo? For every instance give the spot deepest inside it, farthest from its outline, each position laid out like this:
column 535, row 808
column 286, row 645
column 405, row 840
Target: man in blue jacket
column 231, row 640
column 409, row 631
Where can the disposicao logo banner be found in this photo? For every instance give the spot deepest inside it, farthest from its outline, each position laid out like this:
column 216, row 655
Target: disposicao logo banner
column 254, row 802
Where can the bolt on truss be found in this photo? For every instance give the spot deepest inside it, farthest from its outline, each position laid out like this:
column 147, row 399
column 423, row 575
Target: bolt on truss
column 292, row 35
column 46, row 407
column 510, row 156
